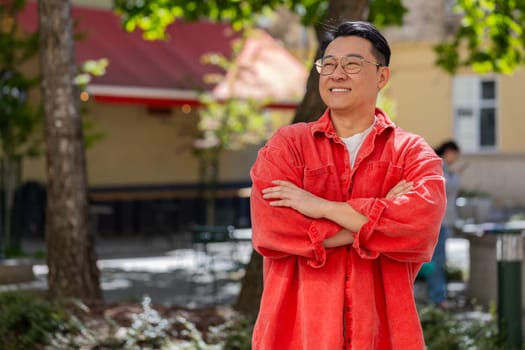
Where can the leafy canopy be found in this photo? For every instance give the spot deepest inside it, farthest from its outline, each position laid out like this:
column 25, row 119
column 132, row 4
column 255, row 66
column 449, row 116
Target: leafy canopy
column 154, row 16
column 489, row 37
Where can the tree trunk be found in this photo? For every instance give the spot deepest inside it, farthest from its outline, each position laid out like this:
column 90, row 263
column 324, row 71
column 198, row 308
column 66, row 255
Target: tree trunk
column 10, row 175
column 252, row 286
column 70, row 251
column 310, row 109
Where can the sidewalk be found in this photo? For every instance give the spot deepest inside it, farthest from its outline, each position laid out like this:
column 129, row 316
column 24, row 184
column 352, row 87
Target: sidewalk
column 169, row 270
column 172, row 272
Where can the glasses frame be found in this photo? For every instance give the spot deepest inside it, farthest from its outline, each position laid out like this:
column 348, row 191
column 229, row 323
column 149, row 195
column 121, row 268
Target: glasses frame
column 319, row 64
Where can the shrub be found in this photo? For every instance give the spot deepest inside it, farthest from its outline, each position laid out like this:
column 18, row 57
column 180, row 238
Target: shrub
column 445, row 330
column 26, row 320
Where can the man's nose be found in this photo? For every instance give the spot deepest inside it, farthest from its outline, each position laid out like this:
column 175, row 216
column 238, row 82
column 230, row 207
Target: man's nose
column 339, row 73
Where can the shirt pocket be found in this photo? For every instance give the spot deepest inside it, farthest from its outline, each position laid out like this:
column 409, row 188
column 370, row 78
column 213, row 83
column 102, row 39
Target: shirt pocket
column 377, row 179
column 322, row 182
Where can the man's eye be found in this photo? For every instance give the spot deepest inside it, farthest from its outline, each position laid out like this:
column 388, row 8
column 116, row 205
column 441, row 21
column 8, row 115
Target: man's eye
column 352, row 64
column 328, row 64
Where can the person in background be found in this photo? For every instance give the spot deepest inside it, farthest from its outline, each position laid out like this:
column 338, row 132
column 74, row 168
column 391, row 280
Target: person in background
column 437, row 279
column 345, row 210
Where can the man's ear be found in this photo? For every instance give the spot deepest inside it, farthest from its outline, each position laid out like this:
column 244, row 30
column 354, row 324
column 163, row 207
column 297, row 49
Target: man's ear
column 384, row 76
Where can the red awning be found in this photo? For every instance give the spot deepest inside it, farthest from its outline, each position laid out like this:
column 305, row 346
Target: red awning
column 170, row 72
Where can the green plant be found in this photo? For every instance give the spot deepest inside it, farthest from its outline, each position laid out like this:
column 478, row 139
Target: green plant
column 27, row 319
column 446, row 330
column 238, row 333
column 148, row 329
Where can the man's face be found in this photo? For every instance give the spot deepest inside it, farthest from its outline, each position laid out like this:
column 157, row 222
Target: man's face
column 347, row 93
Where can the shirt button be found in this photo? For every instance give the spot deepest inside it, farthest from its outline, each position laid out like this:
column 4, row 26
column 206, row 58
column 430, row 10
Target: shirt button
column 347, row 308
column 347, row 278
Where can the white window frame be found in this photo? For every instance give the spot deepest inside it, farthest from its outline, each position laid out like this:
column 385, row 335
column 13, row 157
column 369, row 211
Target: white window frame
column 466, row 96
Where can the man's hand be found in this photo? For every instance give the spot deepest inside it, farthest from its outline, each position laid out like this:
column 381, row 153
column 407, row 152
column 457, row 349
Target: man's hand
column 401, row 188
column 286, row 194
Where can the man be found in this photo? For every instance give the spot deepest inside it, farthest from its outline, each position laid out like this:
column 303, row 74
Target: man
column 345, row 210
column 437, row 280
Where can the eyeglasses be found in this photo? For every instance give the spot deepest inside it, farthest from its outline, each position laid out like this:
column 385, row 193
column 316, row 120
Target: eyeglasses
column 350, row 64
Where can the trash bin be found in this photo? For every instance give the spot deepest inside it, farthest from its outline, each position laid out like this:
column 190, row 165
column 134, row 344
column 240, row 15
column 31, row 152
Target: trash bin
column 509, row 250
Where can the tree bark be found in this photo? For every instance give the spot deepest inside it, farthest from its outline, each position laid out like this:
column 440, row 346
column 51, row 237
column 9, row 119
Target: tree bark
column 252, row 287
column 309, row 109
column 70, row 250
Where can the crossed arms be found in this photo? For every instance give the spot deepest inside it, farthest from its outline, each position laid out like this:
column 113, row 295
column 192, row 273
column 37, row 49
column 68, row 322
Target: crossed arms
column 286, row 194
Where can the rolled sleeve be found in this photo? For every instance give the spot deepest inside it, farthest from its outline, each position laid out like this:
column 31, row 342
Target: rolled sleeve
column 374, row 214
column 318, row 231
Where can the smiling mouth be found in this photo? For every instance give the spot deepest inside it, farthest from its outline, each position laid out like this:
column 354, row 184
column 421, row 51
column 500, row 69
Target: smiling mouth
column 340, row 90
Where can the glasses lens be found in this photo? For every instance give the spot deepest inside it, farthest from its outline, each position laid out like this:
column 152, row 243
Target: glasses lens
column 351, row 65
column 326, row 66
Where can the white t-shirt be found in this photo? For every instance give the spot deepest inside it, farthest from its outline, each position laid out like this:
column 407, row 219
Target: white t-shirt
column 353, row 143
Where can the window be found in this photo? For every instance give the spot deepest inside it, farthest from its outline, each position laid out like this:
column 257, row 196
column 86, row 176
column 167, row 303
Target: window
column 475, row 113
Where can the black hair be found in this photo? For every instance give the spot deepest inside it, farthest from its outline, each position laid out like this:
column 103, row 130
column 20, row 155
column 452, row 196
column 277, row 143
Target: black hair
column 447, row 146
column 365, row 30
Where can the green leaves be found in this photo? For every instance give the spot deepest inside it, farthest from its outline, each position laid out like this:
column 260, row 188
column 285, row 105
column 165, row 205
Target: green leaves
column 386, row 12
column 490, row 37
column 231, row 124
column 18, row 120
column 153, row 17
column 89, row 69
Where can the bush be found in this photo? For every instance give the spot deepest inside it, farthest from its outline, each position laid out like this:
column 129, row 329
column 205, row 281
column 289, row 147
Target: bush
column 445, row 330
column 26, row 320
column 30, row 321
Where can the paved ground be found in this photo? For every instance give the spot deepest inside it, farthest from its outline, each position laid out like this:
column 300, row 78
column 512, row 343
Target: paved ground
column 172, row 272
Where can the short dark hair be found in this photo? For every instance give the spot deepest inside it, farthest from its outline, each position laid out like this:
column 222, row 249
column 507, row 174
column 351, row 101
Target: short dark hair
column 447, row 146
column 365, row 30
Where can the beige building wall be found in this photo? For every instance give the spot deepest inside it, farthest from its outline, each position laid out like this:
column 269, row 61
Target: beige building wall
column 421, row 92
column 423, row 96
column 511, row 98
column 141, row 148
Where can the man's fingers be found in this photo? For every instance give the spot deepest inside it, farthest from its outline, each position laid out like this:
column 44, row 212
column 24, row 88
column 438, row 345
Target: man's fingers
column 400, row 189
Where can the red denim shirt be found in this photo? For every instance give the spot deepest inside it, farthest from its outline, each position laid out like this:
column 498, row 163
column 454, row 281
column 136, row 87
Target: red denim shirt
column 353, row 297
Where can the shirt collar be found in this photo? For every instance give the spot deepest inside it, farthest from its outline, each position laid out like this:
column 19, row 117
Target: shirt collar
column 324, row 124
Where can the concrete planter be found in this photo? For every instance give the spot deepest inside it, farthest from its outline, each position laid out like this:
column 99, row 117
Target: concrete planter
column 14, row 271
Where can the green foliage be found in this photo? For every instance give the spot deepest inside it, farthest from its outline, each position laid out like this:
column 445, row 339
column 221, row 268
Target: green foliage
column 490, row 37
column 445, row 330
column 18, row 120
column 148, row 329
column 238, row 334
column 153, row 16
column 27, row 320
column 14, row 49
column 89, row 69
column 233, row 123
column 386, row 12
